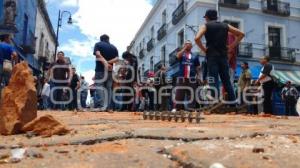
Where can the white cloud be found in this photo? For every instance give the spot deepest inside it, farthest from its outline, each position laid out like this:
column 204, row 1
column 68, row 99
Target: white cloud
column 70, row 3
column 120, row 19
column 78, row 48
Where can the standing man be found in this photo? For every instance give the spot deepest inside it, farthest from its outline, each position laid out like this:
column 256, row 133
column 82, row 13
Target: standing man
column 290, row 96
column 74, row 85
column 189, row 68
column 8, row 54
column 84, row 87
column 60, row 76
column 106, row 55
column 216, row 34
column 266, row 80
column 244, row 80
column 161, row 77
column 46, row 94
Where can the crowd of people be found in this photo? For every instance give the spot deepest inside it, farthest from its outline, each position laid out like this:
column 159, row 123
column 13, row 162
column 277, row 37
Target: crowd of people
column 118, row 85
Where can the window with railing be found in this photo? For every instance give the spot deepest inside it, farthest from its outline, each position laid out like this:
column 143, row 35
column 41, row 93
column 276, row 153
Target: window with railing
column 150, row 45
column 162, row 32
column 28, row 46
column 173, row 57
column 179, row 13
column 281, row 54
column 142, row 54
column 245, row 50
column 237, row 4
column 157, row 65
column 276, row 7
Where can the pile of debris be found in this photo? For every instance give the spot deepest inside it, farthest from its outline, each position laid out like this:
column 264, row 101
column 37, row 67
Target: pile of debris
column 18, row 107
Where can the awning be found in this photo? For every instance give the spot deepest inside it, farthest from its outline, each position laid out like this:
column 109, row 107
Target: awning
column 284, row 76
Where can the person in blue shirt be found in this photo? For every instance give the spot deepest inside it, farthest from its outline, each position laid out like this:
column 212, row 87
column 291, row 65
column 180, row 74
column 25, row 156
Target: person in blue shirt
column 189, row 68
column 7, row 52
column 106, row 55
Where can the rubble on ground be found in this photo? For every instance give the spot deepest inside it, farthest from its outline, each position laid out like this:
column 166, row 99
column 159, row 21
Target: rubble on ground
column 46, row 126
column 19, row 101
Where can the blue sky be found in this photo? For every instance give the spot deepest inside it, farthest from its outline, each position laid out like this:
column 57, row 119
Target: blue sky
column 120, row 19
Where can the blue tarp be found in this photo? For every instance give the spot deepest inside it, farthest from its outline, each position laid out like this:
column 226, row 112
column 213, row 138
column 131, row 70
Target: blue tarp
column 255, row 70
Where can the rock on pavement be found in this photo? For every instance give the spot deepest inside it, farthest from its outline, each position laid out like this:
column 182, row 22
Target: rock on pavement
column 46, row 126
column 19, row 101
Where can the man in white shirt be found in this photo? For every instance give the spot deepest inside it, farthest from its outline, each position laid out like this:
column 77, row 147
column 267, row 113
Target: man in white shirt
column 265, row 79
column 84, row 87
column 46, row 94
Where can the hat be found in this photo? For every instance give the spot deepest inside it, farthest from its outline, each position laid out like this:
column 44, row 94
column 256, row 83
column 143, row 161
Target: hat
column 211, row 14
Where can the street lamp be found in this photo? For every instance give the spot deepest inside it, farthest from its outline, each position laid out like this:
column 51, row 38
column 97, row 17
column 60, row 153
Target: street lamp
column 59, row 24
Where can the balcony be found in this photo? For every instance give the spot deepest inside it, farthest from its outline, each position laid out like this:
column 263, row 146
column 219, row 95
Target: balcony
column 245, row 50
column 142, row 54
column 28, row 45
column 146, row 73
column 173, row 57
column 281, row 54
column 178, row 14
column 150, row 45
column 236, row 4
column 162, row 32
column 156, row 66
column 276, row 7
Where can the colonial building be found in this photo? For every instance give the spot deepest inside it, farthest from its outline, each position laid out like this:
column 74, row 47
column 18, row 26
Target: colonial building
column 46, row 38
column 271, row 28
column 28, row 21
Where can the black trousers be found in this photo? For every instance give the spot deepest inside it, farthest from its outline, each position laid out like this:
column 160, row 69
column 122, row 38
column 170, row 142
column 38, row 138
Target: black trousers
column 183, row 94
column 290, row 106
column 268, row 90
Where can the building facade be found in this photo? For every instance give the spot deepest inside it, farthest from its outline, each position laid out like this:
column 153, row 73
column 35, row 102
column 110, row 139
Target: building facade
column 45, row 38
column 25, row 20
column 271, row 28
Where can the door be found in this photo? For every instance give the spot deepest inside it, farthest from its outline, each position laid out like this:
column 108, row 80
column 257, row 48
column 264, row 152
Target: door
column 274, row 42
column 272, row 5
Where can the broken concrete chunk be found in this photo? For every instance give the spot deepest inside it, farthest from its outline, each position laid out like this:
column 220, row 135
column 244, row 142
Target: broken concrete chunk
column 46, row 126
column 18, row 101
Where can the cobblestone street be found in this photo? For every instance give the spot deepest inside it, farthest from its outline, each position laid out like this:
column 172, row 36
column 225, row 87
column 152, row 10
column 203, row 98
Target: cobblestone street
column 126, row 140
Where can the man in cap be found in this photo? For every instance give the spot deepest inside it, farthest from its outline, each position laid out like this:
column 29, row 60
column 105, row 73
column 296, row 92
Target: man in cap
column 189, row 68
column 290, row 96
column 216, row 49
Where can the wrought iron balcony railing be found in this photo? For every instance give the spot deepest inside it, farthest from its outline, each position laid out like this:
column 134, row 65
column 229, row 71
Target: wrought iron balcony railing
column 150, row 45
column 29, row 44
column 173, row 57
column 281, row 54
column 245, row 50
column 276, row 7
column 156, row 66
column 179, row 13
column 236, row 4
column 142, row 53
column 162, row 32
